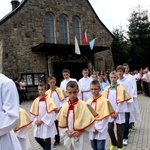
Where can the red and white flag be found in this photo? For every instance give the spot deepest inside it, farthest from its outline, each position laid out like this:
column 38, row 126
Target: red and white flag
column 84, row 38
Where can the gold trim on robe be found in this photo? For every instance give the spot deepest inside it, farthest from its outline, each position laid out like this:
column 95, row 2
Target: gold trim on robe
column 121, row 94
column 60, row 92
column 24, row 120
column 50, row 106
column 83, row 115
column 102, row 107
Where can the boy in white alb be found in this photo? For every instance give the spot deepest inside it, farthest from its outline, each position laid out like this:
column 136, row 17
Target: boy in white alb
column 43, row 114
column 66, row 75
column 128, row 87
column 76, row 120
column 118, row 97
column 84, row 86
column 58, row 95
column 104, row 109
column 22, row 127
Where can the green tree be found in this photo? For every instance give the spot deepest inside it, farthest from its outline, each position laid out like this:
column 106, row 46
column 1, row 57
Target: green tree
column 119, row 47
column 139, row 38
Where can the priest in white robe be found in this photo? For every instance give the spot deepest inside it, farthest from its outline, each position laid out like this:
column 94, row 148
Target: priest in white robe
column 9, row 114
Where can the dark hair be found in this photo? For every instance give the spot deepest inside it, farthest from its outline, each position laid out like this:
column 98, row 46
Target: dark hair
column 43, row 85
column 72, row 84
column 95, row 82
column 66, row 70
column 125, row 64
column 16, row 79
column 120, row 67
column 114, row 73
column 85, row 69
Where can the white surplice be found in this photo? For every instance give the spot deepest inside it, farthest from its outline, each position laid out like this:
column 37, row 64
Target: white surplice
column 64, row 83
column 57, row 101
column 84, row 88
column 121, row 108
column 77, row 143
column 9, row 114
column 47, row 129
column 135, row 113
column 127, row 85
column 101, row 126
column 23, row 138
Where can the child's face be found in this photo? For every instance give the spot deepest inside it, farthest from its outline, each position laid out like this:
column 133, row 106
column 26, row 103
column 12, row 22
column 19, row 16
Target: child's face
column 52, row 83
column 120, row 73
column 113, row 79
column 41, row 90
column 126, row 69
column 100, row 79
column 72, row 93
column 94, row 77
column 66, row 75
column 95, row 90
column 85, row 73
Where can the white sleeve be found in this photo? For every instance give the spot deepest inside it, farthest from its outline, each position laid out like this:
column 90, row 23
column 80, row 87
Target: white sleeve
column 101, row 125
column 134, row 87
column 63, row 102
column 9, row 107
column 49, row 118
column 61, row 85
column 34, row 118
column 63, row 131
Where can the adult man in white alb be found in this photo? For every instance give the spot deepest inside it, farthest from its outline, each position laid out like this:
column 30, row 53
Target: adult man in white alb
column 66, row 75
column 84, row 86
column 9, row 114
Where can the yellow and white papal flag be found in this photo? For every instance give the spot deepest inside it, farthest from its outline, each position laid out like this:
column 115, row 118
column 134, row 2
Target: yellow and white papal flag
column 77, row 49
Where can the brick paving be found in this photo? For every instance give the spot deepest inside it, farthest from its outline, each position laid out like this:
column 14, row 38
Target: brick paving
column 138, row 140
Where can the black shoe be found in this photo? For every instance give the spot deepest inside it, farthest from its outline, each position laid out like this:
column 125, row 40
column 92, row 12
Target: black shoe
column 56, row 144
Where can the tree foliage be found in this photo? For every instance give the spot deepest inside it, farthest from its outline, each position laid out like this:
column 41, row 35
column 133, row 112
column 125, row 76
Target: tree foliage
column 135, row 49
column 119, row 47
column 139, row 36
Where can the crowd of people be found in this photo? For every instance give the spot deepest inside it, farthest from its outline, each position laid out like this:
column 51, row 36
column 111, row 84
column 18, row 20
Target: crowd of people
column 142, row 78
column 84, row 112
column 21, row 88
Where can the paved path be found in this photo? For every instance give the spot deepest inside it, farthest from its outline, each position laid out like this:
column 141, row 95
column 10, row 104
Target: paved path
column 138, row 140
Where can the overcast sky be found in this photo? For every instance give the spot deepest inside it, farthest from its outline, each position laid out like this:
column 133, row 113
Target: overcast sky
column 113, row 13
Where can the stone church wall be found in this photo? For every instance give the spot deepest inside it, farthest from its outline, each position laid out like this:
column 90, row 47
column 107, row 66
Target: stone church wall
column 25, row 29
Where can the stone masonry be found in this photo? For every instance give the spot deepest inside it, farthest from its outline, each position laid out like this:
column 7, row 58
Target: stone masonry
column 24, row 28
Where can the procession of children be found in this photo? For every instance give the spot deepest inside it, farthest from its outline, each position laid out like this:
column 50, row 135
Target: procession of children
column 84, row 112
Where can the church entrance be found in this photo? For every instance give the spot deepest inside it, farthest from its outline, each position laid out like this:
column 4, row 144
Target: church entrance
column 74, row 67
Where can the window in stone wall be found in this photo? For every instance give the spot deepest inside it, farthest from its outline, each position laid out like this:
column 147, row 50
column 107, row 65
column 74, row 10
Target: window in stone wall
column 49, row 28
column 76, row 27
column 63, row 29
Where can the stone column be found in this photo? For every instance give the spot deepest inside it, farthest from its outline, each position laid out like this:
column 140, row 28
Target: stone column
column 50, row 67
column 1, row 55
column 90, row 68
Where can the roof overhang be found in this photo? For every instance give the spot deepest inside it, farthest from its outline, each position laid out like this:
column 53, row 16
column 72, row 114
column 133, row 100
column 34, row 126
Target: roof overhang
column 66, row 49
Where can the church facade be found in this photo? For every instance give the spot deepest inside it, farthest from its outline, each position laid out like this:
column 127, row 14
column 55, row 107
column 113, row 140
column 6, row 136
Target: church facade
column 37, row 40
